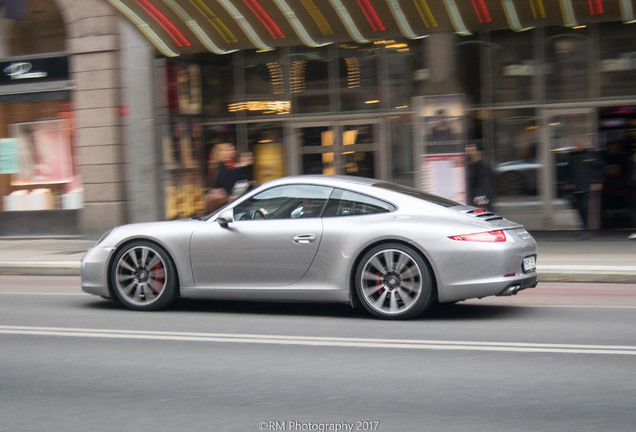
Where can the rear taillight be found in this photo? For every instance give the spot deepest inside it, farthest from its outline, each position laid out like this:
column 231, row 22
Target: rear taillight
column 492, row 236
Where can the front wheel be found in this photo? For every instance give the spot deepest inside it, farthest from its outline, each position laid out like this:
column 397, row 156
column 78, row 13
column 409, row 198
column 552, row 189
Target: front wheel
column 143, row 277
column 394, row 282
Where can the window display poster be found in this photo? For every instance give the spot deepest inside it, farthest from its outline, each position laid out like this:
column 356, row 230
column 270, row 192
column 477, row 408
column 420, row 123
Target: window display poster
column 44, row 153
column 182, row 143
column 444, row 175
column 9, row 160
column 442, row 118
column 269, row 162
column 184, row 88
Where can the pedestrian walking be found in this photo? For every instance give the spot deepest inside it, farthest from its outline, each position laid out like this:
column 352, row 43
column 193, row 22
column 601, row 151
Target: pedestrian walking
column 584, row 178
column 227, row 178
column 479, row 185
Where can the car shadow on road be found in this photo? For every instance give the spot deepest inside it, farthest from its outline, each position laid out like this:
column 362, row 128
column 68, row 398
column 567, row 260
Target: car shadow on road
column 436, row 312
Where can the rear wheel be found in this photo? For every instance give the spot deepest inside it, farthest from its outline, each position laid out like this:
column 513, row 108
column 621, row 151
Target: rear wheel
column 143, row 276
column 394, row 282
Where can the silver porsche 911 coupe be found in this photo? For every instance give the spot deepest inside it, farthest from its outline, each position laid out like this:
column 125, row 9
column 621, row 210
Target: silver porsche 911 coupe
column 391, row 249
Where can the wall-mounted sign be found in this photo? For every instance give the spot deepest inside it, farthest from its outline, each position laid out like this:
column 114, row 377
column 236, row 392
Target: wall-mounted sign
column 30, row 70
column 9, row 157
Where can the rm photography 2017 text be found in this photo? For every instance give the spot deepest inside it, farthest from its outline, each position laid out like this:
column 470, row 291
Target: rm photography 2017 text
column 309, row 426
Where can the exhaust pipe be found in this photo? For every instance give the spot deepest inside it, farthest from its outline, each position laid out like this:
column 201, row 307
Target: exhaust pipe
column 510, row 291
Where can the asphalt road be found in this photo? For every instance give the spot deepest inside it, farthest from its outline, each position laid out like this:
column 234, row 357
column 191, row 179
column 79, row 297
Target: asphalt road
column 560, row 357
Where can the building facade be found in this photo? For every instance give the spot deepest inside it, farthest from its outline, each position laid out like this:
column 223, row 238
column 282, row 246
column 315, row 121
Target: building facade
column 143, row 124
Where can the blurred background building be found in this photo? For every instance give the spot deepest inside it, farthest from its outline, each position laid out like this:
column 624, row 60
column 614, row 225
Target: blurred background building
column 109, row 108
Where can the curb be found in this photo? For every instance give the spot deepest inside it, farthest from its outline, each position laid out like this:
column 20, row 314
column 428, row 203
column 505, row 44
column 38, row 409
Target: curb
column 585, row 273
column 44, row 268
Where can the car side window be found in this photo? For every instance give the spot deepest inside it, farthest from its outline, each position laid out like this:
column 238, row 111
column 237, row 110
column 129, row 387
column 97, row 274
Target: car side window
column 347, row 203
column 285, row 202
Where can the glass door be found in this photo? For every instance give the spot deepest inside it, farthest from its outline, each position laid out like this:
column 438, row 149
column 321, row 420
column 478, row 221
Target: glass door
column 571, row 170
column 339, row 147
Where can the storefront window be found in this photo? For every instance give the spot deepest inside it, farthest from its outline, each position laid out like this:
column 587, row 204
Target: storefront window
column 400, row 85
column 358, row 150
column 513, row 67
column 37, row 157
column 618, row 60
column 339, row 148
column 515, row 164
column 358, row 78
column 265, row 84
column 309, row 80
column 470, row 50
column 576, row 168
column 567, row 64
column 183, row 142
column 401, row 149
column 265, row 141
column 218, row 86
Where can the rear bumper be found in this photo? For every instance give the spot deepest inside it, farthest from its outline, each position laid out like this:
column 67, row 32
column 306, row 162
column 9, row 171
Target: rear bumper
column 514, row 287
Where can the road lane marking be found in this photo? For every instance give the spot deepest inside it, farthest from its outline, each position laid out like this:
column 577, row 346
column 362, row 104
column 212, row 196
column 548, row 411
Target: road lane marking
column 320, row 340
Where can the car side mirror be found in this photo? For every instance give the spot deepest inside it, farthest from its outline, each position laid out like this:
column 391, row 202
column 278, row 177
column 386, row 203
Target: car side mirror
column 225, row 218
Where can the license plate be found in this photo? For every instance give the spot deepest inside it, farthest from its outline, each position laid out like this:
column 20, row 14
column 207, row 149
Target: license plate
column 529, row 264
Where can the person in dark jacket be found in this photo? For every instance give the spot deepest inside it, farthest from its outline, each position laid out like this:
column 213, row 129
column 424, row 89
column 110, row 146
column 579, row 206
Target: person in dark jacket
column 225, row 174
column 479, row 188
column 584, row 177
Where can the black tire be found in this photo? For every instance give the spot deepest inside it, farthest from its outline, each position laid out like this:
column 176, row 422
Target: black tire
column 394, row 282
column 143, row 276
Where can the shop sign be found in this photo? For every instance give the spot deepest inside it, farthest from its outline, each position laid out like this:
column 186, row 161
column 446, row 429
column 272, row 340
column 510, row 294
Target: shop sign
column 625, row 62
column 20, row 71
column 9, row 162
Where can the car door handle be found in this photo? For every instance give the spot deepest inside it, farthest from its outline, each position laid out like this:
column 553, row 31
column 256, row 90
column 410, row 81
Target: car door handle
column 304, row 238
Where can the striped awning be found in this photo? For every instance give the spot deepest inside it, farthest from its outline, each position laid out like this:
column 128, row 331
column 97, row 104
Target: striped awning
column 179, row 27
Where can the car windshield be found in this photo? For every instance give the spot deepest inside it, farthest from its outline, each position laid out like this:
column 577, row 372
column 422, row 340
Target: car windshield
column 444, row 202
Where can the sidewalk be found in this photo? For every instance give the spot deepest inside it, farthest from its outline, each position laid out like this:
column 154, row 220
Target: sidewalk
column 607, row 256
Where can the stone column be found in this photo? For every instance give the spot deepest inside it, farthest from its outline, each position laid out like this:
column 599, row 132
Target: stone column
column 441, row 62
column 93, row 47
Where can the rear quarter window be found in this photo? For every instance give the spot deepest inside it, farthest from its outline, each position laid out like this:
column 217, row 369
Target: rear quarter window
column 444, row 202
column 347, row 203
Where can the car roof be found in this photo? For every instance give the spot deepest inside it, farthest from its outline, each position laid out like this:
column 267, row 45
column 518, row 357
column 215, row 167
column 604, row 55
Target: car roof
column 331, row 180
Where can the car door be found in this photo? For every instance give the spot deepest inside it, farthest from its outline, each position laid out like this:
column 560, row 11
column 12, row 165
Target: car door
column 271, row 242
